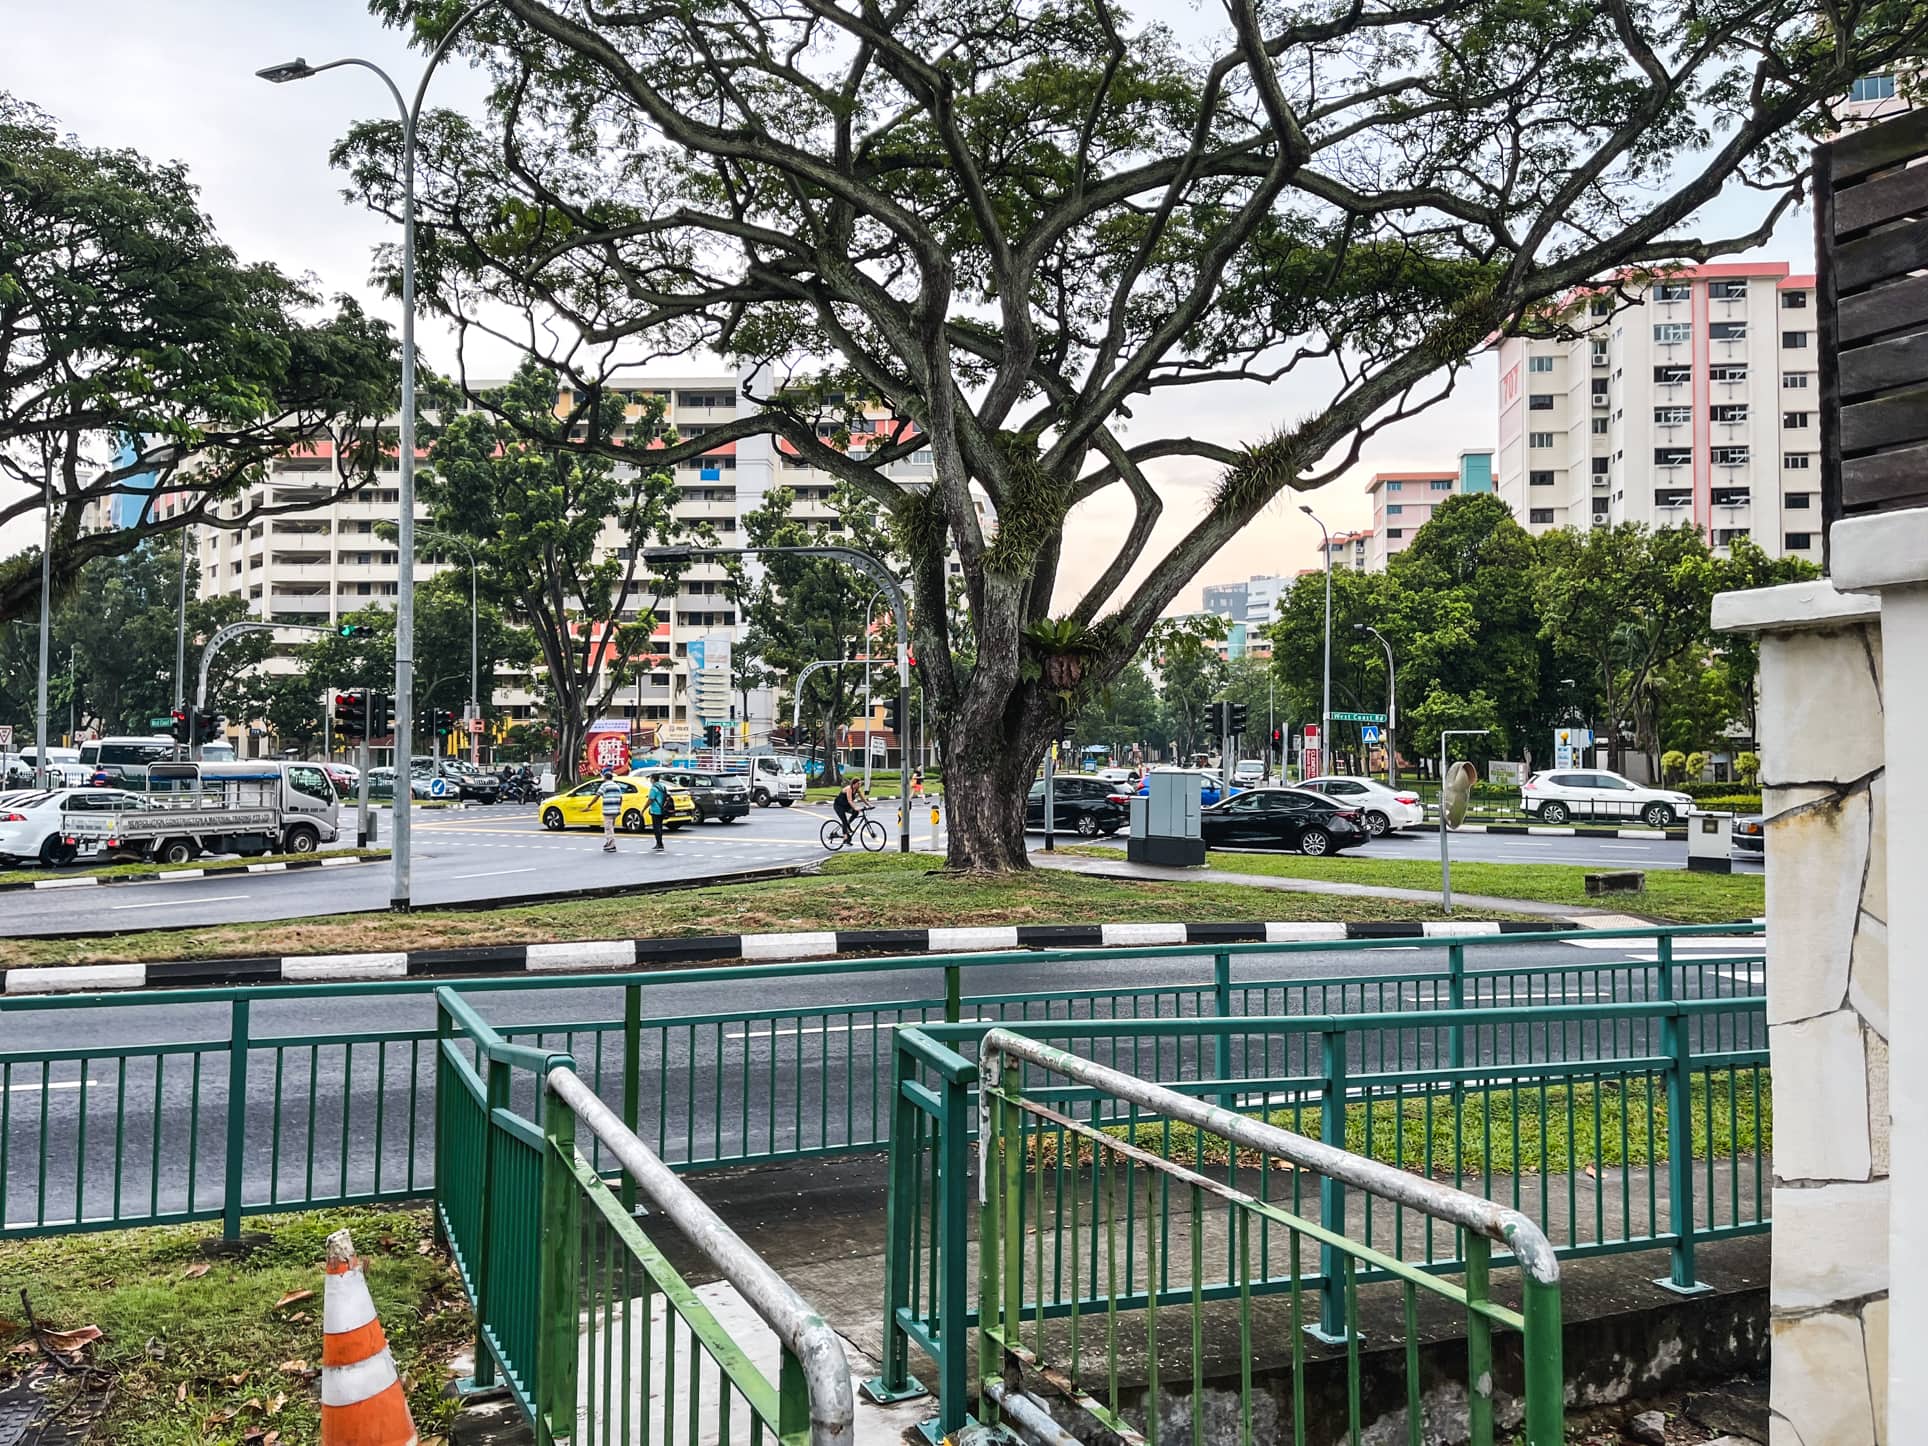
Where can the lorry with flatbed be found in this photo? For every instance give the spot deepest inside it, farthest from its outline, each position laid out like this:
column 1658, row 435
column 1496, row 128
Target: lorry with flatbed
column 190, row 809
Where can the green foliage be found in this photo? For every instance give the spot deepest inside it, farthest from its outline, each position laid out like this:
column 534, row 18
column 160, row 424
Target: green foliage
column 1696, row 764
column 1747, row 766
column 1672, row 763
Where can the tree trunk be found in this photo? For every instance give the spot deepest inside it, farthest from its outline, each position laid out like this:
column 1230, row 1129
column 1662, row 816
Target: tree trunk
column 991, row 753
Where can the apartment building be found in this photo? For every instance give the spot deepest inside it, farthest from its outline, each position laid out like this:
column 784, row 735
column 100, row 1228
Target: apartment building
column 1403, row 502
column 1254, row 602
column 1695, row 405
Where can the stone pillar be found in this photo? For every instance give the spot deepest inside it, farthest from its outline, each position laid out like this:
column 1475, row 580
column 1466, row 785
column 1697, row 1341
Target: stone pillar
column 1825, row 786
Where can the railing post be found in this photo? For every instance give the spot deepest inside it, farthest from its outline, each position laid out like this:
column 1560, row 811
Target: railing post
column 632, row 1072
column 561, row 1232
column 953, row 1258
column 497, row 1099
column 1222, row 1043
column 793, row 1400
column 444, row 1031
column 1545, row 1369
column 953, row 993
column 1332, row 1194
column 238, row 1121
column 1456, row 995
column 895, row 1382
column 1680, row 1154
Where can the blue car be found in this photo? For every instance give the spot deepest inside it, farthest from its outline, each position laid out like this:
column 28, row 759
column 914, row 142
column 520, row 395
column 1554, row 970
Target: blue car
column 1211, row 787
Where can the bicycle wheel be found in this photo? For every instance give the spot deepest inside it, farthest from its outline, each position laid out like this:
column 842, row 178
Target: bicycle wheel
column 833, row 835
column 873, row 836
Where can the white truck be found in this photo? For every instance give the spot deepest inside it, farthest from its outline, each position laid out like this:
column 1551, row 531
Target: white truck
column 216, row 808
column 777, row 778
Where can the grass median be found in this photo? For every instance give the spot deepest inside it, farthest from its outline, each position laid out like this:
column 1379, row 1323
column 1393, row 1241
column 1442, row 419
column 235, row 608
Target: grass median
column 146, row 867
column 1674, row 896
column 872, row 892
column 193, row 1349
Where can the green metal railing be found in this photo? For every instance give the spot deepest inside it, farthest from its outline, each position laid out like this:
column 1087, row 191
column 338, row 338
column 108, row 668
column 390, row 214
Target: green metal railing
column 1541, row 1107
column 1193, row 1239
column 212, row 1112
column 578, row 1313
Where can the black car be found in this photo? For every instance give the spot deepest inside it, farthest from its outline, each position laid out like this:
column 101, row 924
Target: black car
column 459, row 779
column 1291, row 818
column 724, row 796
column 1081, row 803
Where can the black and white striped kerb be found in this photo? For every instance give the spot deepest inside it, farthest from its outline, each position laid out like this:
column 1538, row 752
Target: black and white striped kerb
column 1547, row 830
column 181, row 876
column 606, row 955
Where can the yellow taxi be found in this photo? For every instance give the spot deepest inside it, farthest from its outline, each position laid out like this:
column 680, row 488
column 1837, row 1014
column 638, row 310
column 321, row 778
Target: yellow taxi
column 581, row 806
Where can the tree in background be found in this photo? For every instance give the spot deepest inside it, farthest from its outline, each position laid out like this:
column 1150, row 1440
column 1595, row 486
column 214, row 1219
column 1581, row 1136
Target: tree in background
column 140, row 358
column 1190, row 673
column 1126, row 713
column 1013, row 220
column 295, row 712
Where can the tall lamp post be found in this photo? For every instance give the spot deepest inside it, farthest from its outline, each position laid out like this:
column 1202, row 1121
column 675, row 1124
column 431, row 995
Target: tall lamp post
column 405, row 558
column 1392, row 704
column 1325, row 706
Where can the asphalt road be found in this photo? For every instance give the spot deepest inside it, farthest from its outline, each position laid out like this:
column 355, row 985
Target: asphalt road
column 773, row 1065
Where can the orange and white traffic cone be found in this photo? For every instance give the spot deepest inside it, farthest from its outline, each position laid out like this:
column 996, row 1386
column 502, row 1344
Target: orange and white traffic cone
column 361, row 1395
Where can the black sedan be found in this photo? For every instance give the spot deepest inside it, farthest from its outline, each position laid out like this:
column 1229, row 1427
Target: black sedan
column 721, row 796
column 1273, row 818
column 1080, row 803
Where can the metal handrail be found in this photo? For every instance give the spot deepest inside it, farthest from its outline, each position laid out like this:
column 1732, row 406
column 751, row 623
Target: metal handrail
column 795, row 1322
column 1496, row 1222
column 492, row 1045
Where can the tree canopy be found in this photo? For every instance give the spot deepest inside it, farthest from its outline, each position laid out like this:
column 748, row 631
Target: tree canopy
column 1013, row 219
column 139, row 357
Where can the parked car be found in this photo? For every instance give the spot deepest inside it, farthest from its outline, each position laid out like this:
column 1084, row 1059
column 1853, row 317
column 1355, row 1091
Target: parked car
column 1081, row 803
column 721, row 796
column 1211, row 787
column 1559, row 794
column 581, row 806
column 1120, row 775
column 381, row 784
column 1385, row 809
column 460, row 779
column 1748, row 835
column 347, row 780
column 30, row 829
column 1249, row 771
column 1291, row 818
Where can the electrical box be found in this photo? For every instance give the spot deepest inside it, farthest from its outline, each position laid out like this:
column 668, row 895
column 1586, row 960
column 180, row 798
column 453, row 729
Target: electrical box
column 1164, row 822
column 1709, row 842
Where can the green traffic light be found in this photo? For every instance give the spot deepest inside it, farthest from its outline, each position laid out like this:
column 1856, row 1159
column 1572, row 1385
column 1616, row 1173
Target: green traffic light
column 350, row 630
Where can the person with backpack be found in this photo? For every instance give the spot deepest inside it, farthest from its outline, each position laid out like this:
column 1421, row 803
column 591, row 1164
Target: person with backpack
column 658, row 806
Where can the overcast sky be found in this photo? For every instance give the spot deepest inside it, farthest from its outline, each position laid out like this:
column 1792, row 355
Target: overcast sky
column 175, row 79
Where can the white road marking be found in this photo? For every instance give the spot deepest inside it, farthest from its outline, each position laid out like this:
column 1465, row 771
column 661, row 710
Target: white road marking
column 182, row 903
column 59, row 1084
column 495, row 873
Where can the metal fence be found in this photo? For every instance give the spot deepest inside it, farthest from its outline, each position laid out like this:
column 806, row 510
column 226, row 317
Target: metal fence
column 577, row 1313
column 1613, row 1126
column 187, row 1108
column 1193, row 1242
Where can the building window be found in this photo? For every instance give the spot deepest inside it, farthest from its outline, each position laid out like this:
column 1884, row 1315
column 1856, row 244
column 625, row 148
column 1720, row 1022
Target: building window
column 1797, row 461
column 1794, row 301
column 1673, row 416
column 1395, row 509
column 1539, row 363
column 1729, row 290
column 1395, row 486
column 1673, row 376
column 1673, row 497
column 1599, row 306
column 1872, row 88
column 1799, row 501
column 1598, row 426
column 1539, row 479
column 1727, row 374
column 1732, row 497
column 1798, row 541
column 1730, row 456
column 1732, row 413
column 1794, row 341
column 1673, row 456
column 1535, row 402
column 1672, row 291
column 1727, row 330
column 1599, row 466
column 1672, row 333
column 1796, row 421
column 1726, row 536
column 1439, row 484
column 1539, row 439
column 1795, row 381
column 1538, row 515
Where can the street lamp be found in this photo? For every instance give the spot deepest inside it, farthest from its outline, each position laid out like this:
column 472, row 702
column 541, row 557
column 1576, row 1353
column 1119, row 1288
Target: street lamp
column 405, row 557
column 1325, row 710
column 1392, row 704
column 872, row 567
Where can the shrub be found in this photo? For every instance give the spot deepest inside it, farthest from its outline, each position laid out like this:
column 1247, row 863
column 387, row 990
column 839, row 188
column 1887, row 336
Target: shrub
column 1672, row 762
column 1748, row 766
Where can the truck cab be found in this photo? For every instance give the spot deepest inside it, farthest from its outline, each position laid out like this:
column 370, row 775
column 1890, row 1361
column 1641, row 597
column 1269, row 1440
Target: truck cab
column 776, row 778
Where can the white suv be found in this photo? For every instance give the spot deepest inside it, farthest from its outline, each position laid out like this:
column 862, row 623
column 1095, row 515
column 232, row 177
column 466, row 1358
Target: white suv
column 1560, row 794
column 1385, row 809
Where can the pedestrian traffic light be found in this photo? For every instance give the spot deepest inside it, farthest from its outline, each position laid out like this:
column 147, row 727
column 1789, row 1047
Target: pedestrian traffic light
column 207, row 727
column 381, row 713
column 713, row 736
column 444, row 722
column 350, row 717
column 1278, row 740
column 179, row 730
column 893, row 720
column 1235, row 715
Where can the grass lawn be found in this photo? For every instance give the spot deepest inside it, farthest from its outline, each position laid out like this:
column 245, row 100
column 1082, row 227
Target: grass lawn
column 1508, row 1131
column 1673, row 895
column 875, row 891
column 142, row 866
column 199, row 1350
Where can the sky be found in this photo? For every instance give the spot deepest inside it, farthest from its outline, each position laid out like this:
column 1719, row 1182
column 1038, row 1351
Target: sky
column 175, row 79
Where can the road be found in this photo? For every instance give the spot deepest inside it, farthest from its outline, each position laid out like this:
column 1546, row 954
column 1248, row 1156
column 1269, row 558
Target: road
column 493, row 852
column 770, row 1065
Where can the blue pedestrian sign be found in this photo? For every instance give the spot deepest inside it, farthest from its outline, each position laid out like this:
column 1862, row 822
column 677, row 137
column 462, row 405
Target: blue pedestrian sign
column 1369, row 734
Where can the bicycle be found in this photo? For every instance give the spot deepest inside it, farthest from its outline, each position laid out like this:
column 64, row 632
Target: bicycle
column 863, row 830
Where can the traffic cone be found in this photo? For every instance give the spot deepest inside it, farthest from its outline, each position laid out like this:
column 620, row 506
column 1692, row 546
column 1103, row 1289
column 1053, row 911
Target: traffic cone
column 361, row 1395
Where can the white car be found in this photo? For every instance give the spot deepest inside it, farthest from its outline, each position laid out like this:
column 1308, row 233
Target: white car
column 30, row 820
column 1118, row 775
column 1384, row 809
column 1559, row 794
column 1249, row 771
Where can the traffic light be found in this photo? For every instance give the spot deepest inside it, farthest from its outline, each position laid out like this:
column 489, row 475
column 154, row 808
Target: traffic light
column 1278, row 740
column 1235, row 715
column 893, row 720
column 381, row 714
column 180, row 728
column 350, row 714
column 444, row 722
column 352, row 630
column 207, row 727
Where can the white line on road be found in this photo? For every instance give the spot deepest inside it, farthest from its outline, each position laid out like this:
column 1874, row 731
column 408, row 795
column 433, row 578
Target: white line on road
column 59, row 1084
column 181, row 903
column 494, row 873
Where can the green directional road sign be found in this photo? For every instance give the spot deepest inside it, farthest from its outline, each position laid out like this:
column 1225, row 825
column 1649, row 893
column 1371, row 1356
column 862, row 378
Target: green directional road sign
column 167, row 722
column 1358, row 717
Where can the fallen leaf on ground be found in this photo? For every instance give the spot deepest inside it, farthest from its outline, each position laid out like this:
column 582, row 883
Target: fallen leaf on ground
column 295, row 1368
column 66, row 1342
column 276, row 1402
column 197, row 1270
column 293, row 1296
column 180, row 1391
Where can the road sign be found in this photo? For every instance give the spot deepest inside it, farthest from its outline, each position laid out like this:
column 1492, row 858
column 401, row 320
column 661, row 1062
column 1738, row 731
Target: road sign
column 157, row 724
column 1369, row 734
column 1358, row 717
column 475, row 725
column 6, row 733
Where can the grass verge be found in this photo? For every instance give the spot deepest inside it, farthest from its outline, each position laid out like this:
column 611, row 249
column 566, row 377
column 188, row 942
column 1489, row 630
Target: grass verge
column 199, row 1350
column 1674, row 896
column 1516, row 1130
column 875, row 891
column 211, row 866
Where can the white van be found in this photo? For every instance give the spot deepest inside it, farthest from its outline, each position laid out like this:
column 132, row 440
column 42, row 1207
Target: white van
column 778, row 779
column 126, row 760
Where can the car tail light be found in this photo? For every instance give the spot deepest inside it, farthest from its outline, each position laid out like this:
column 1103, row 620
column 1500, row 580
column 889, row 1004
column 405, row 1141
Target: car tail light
column 1351, row 815
column 13, row 818
column 1406, row 797
column 1121, row 798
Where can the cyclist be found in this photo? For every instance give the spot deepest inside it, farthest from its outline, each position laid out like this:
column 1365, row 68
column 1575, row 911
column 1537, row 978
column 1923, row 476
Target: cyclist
column 848, row 802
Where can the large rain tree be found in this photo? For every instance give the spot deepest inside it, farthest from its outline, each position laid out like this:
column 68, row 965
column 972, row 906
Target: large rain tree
column 1012, row 220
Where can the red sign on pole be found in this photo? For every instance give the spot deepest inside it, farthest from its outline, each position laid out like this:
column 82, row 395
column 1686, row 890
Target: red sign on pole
column 475, row 726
